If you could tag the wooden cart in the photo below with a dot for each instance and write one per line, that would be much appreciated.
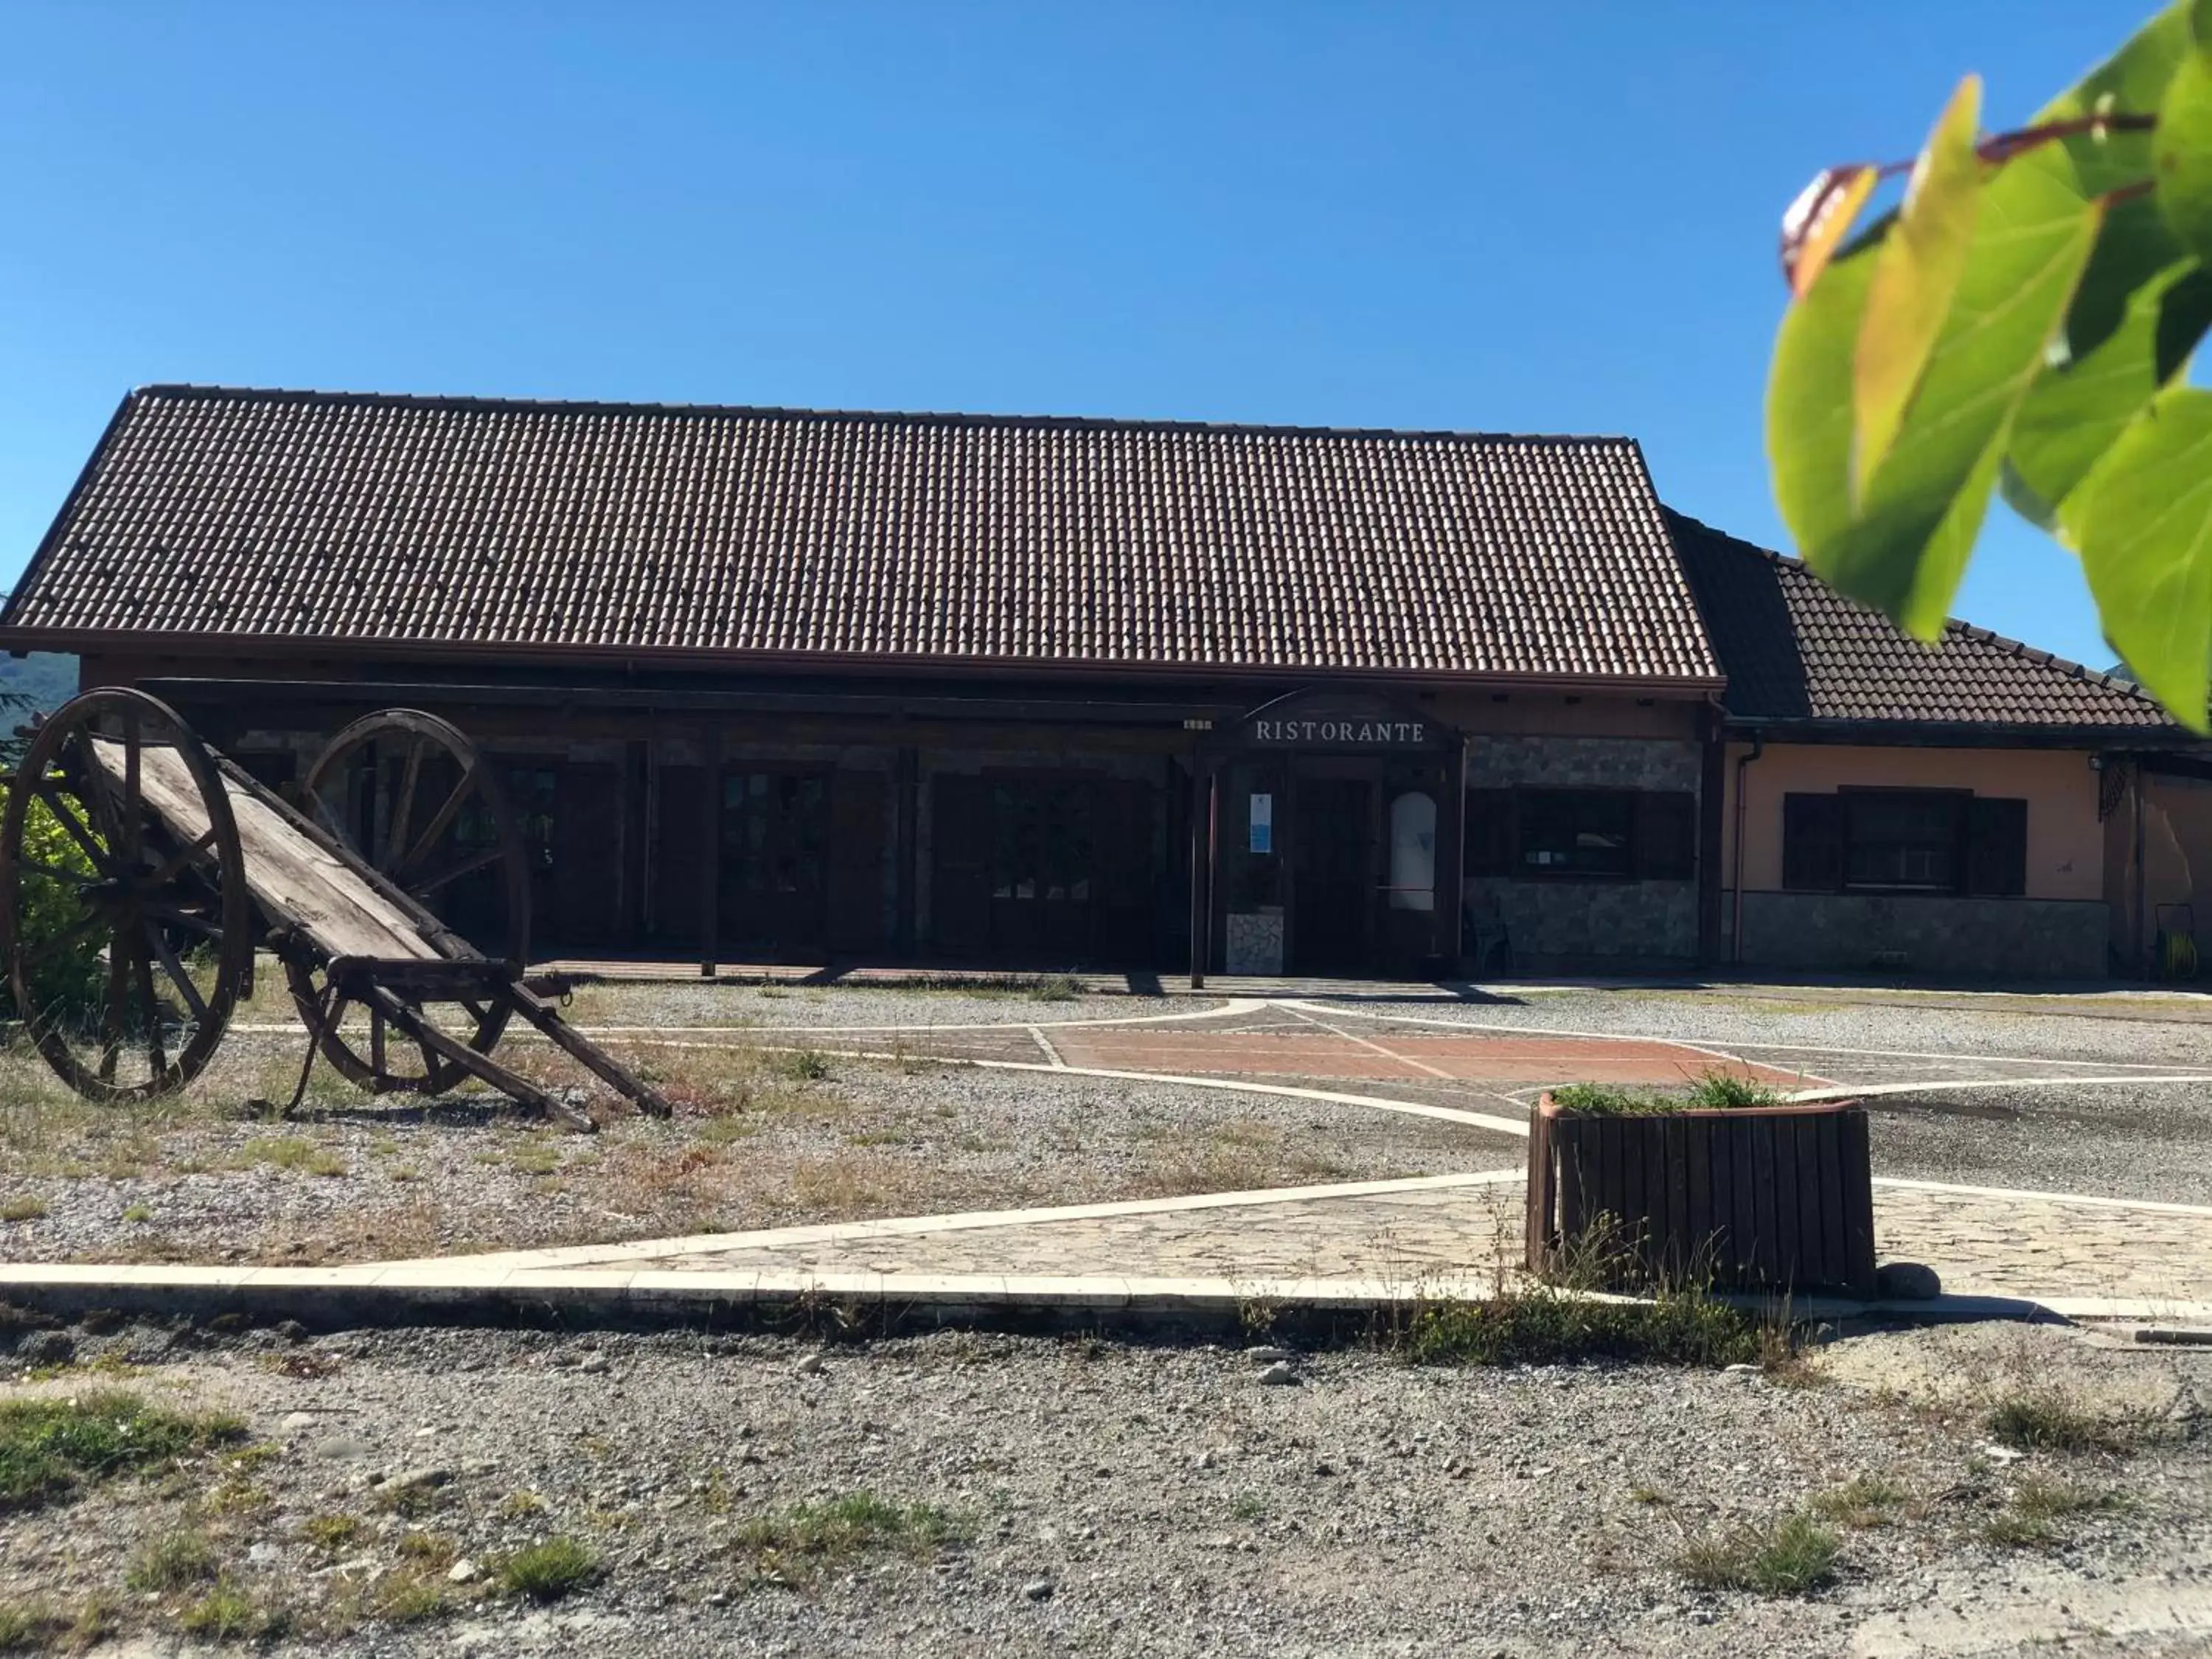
(181, 866)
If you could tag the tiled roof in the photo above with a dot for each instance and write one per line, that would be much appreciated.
(458, 523)
(1795, 649)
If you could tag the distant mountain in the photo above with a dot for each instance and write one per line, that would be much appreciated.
(2120, 671)
(47, 678)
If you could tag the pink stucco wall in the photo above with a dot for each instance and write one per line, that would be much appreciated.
(2065, 842)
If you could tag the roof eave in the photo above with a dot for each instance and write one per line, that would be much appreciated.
(1957, 734)
(283, 647)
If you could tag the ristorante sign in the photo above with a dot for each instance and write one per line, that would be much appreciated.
(1338, 731)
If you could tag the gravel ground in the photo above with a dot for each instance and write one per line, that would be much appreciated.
(353, 1180)
(2127, 1140)
(1114, 1500)
(859, 1005)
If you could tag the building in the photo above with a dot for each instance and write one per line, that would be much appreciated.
(794, 686)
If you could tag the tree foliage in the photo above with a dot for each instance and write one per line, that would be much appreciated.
(2024, 321)
(65, 962)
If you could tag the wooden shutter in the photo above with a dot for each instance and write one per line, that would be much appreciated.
(1812, 843)
(1996, 848)
(1665, 834)
(1489, 836)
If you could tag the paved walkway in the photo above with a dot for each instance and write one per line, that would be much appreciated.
(2079, 1255)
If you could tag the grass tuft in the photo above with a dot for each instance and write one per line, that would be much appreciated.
(2031, 1519)
(290, 1152)
(1792, 1556)
(331, 1533)
(22, 1207)
(550, 1571)
(2045, 1419)
(48, 1448)
(1547, 1324)
(799, 1065)
(789, 1546)
(228, 1613)
(170, 1561)
(1862, 1502)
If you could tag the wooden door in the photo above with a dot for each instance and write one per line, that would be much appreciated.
(1332, 876)
(857, 807)
(587, 882)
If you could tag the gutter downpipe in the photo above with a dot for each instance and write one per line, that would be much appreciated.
(1736, 948)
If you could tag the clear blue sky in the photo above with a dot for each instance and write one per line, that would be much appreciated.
(1506, 217)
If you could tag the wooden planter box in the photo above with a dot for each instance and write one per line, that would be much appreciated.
(1762, 1197)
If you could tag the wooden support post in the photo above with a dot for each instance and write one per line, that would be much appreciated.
(710, 849)
(1451, 863)
(1712, 804)
(630, 913)
(906, 852)
(1202, 792)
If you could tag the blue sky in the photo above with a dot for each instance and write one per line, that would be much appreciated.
(1553, 218)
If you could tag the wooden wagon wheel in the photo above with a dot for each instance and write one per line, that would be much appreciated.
(144, 861)
(420, 803)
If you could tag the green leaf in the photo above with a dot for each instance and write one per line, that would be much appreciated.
(1809, 396)
(2142, 306)
(1916, 274)
(2182, 153)
(2142, 524)
(2076, 411)
(1905, 546)
(2132, 82)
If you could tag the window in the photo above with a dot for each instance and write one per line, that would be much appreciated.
(1905, 841)
(1576, 832)
(1539, 833)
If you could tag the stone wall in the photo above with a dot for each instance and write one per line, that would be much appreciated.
(1927, 933)
(1562, 924)
(1495, 763)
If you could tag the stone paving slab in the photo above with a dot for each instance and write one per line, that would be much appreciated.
(2009, 1245)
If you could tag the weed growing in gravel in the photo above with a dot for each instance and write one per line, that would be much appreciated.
(171, 1561)
(1864, 1501)
(1056, 988)
(331, 1533)
(1547, 1325)
(1248, 1506)
(2030, 1519)
(22, 1207)
(550, 1571)
(429, 1550)
(799, 1065)
(41, 1627)
(138, 1212)
(1648, 1495)
(789, 1546)
(520, 1505)
(49, 1447)
(305, 1364)
(27, 1626)
(1788, 1557)
(410, 1598)
(2045, 1419)
(535, 1157)
(290, 1152)
(229, 1614)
